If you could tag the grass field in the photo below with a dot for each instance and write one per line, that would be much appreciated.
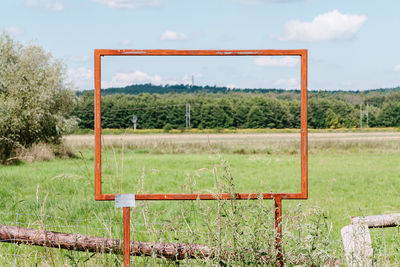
(350, 174)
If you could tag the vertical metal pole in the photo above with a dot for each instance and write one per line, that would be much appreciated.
(367, 114)
(360, 117)
(97, 124)
(127, 234)
(278, 227)
(187, 115)
(304, 131)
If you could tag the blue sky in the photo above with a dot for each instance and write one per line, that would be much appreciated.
(353, 45)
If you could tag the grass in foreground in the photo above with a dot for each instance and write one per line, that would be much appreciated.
(58, 195)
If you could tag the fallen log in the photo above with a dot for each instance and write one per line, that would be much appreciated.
(19, 235)
(375, 221)
(78, 242)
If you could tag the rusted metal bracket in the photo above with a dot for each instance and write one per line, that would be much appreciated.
(125, 201)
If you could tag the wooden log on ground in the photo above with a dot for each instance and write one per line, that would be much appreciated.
(357, 245)
(78, 242)
(374, 221)
(357, 239)
(19, 235)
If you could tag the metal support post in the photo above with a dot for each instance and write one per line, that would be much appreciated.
(127, 235)
(126, 201)
(278, 227)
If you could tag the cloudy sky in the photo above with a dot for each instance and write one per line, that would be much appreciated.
(353, 45)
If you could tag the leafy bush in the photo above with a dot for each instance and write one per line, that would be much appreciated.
(34, 99)
(167, 127)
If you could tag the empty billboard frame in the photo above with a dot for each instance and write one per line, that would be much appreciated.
(302, 53)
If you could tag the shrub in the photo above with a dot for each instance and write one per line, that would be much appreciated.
(167, 127)
(35, 100)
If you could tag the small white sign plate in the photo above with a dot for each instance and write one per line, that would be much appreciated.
(125, 200)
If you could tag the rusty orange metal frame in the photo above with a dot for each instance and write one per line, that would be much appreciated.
(98, 53)
(277, 197)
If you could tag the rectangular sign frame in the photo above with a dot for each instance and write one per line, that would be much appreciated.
(99, 53)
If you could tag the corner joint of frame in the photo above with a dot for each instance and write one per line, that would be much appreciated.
(98, 52)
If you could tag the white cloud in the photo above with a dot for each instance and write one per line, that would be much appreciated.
(231, 86)
(123, 79)
(226, 37)
(80, 59)
(80, 76)
(126, 42)
(275, 61)
(347, 83)
(328, 26)
(54, 5)
(14, 30)
(290, 83)
(257, 2)
(128, 3)
(173, 36)
(396, 68)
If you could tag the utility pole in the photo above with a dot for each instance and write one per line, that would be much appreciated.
(367, 114)
(187, 115)
(134, 120)
(360, 116)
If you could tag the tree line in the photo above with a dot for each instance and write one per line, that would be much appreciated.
(38, 106)
(135, 89)
(234, 109)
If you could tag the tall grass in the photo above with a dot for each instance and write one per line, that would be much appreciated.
(350, 177)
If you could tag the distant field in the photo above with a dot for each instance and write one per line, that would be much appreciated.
(350, 174)
(243, 142)
(232, 130)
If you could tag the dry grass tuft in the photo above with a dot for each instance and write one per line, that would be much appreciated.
(44, 152)
(37, 152)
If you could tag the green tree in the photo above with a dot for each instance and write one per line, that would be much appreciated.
(212, 116)
(390, 114)
(332, 120)
(84, 110)
(34, 99)
(255, 118)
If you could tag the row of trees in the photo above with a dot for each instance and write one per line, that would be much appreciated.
(37, 105)
(238, 110)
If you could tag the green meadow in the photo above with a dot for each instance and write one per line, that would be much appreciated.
(348, 179)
